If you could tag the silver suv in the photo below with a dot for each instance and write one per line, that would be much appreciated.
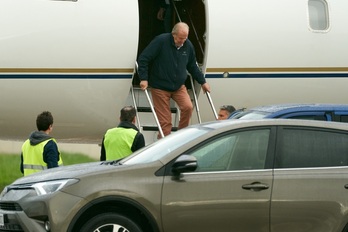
(233, 175)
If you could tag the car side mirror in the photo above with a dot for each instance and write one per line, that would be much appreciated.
(185, 163)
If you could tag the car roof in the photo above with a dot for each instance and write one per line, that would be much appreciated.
(279, 109)
(227, 124)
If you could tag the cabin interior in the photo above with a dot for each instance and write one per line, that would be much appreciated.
(191, 12)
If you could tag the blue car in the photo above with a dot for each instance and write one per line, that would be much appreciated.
(322, 112)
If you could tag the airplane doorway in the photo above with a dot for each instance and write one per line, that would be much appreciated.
(191, 12)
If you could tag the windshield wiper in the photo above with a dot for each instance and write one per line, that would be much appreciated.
(112, 162)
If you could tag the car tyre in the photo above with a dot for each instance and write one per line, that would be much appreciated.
(110, 222)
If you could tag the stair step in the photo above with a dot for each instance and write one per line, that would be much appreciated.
(155, 128)
(148, 109)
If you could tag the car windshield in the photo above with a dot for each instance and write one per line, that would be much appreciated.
(164, 146)
(251, 115)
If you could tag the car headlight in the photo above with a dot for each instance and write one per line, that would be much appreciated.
(48, 187)
(4, 191)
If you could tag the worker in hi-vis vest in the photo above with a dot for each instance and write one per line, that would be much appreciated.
(124, 139)
(40, 151)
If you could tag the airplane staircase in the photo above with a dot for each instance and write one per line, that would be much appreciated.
(189, 12)
(147, 120)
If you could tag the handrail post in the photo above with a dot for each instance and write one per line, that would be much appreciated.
(136, 108)
(154, 113)
(133, 98)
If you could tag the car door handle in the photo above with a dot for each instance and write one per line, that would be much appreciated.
(255, 186)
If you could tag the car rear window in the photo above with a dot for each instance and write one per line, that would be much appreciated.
(299, 148)
(309, 117)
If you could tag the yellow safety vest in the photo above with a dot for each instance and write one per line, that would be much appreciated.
(33, 157)
(118, 142)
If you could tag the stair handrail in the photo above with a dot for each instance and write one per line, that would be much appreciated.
(212, 104)
(210, 100)
(154, 113)
(176, 11)
(135, 106)
(152, 107)
(193, 28)
(195, 100)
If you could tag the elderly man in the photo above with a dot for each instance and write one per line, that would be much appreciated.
(170, 56)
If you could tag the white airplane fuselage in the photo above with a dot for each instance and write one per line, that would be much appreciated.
(77, 58)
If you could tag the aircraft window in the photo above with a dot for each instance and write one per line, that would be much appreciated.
(318, 15)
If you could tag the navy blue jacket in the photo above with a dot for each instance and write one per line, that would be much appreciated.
(165, 67)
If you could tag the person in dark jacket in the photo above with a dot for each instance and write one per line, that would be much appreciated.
(124, 139)
(40, 151)
(170, 56)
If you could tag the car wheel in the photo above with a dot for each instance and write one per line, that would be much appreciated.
(110, 222)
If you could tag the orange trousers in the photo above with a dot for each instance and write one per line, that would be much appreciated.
(161, 102)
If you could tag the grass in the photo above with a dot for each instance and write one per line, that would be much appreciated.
(9, 165)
